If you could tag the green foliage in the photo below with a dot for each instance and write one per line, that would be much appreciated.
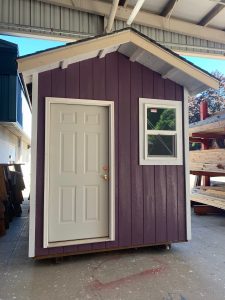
(161, 119)
(167, 120)
(214, 98)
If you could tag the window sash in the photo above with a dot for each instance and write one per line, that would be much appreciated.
(161, 132)
(165, 107)
(163, 157)
(144, 159)
(156, 105)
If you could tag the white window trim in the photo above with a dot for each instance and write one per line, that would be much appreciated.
(144, 103)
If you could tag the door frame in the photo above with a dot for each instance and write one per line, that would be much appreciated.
(110, 104)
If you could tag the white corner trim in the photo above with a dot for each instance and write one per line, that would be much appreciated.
(187, 168)
(33, 166)
(143, 159)
(110, 104)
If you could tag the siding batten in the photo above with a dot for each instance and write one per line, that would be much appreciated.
(124, 153)
(160, 176)
(171, 180)
(136, 169)
(149, 172)
(160, 199)
(112, 88)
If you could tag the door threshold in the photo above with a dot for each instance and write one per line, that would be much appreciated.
(78, 242)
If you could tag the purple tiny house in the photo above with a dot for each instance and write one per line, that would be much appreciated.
(109, 144)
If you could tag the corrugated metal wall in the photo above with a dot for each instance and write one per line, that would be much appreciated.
(34, 17)
(176, 41)
(30, 16)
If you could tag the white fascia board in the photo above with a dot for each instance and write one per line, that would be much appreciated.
(173, 60)
(78, 51)
(88, 49)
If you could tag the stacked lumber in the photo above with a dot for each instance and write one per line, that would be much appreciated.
(3, 199)
(2, 218)
(214, 124)
(11, 198)
(211, 162)
(210, 195)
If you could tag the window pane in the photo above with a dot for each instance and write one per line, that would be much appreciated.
(161, 145)
(161, 118)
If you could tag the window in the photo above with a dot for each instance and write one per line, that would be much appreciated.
(160, 132)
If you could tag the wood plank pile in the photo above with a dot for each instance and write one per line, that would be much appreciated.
(209, 162)
(210, 195)
(11, 197)
(214, 124)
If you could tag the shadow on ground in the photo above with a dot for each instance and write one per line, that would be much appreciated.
(189, 271)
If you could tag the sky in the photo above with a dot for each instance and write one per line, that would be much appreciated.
(28, 45)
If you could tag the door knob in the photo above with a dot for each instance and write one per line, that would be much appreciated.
(105, 177)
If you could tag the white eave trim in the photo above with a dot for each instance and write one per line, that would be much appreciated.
(54, 56)
(81, 51)
(173, 60)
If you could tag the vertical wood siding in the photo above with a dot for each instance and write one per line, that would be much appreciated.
(150, 200)
(137, 212)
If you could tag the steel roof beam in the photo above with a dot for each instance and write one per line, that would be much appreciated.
(145, 18)
(211, 14)
(112, 15)
(167, 10)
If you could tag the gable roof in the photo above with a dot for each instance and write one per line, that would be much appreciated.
(129, 42)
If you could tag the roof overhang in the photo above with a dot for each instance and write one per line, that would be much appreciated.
(17, 130)
(134, 45)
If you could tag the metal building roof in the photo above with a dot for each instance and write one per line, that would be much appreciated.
(210, 13)
(191, 27)
(203, 19)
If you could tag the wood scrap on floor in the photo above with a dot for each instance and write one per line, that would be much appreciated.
(210, 195)
(11, 198)
(202, 209)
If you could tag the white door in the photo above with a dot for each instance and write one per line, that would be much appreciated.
(78, 160)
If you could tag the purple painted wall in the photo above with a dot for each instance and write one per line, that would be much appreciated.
(150, 200)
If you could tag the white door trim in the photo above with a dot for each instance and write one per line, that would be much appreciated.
(48, 102)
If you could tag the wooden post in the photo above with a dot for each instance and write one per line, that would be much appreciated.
(203, 116)
(203, 110)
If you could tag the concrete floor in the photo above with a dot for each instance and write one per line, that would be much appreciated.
(191, 271)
